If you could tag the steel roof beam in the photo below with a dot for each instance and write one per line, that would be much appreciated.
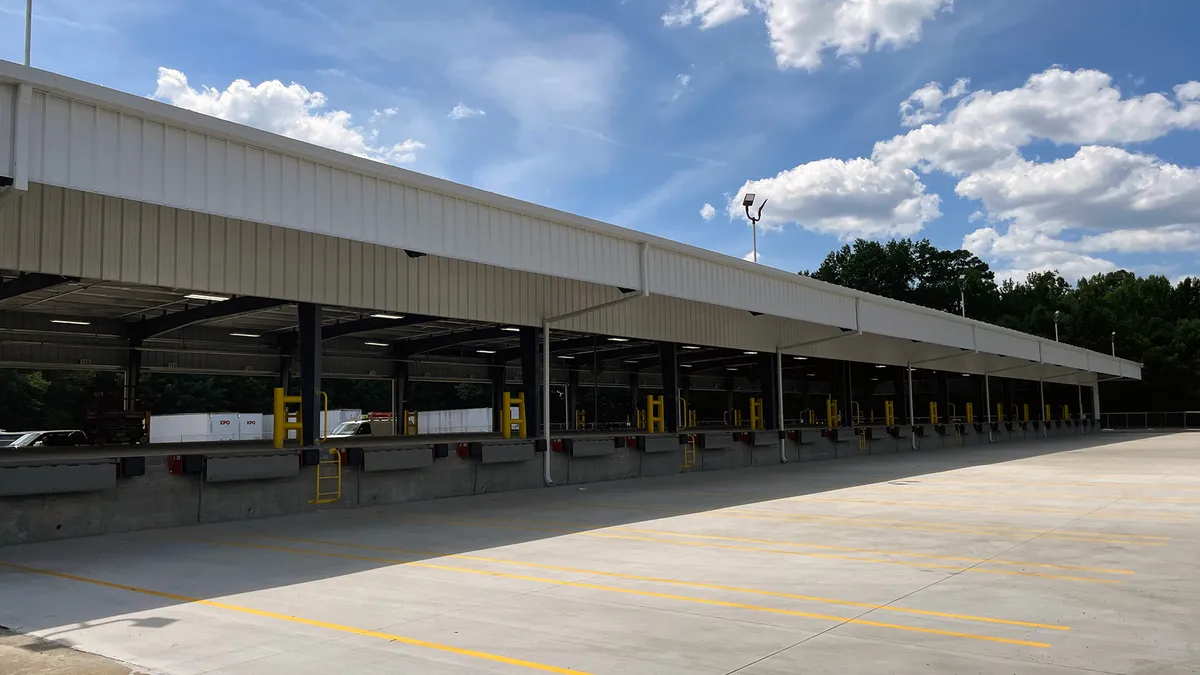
(32, 283)
(166, 323)
(371, 323)
(506, 355)
(409, 347)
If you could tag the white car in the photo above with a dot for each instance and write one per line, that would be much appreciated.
(51, 439)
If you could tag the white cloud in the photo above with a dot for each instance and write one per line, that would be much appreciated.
(1064, 107)
(749, 257)
(291, 110)
(801, 31)
(1099, 188)
(462, 112)
(684, 80)
(925, 104)
(855, 198)
(1062, 214)
(710, 12)
(707, 211)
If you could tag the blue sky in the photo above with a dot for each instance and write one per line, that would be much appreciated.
(1070, 144)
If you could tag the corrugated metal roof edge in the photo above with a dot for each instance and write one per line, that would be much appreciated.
(14, 73)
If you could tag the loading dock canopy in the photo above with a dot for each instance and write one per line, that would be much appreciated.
(132, 192)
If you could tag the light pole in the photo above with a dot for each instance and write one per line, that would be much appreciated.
(1114, 343)
(1056, 325)
(28, 27)
(747, 202)
(962, 294)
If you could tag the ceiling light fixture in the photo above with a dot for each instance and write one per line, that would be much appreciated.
(511, 329)
(205, 296)
(731, 369)
(246, 335)
(750, 353)
(616, 339)
(377, 344)
(394, 317)
(881, 366)
(566, 357)
(685, 365)
(812, 374)
(800, 358)
(690, 347)
(69, 322)
(485, 351)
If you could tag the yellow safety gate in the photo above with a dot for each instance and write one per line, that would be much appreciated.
(756, 414)
(889, 413)
(507, 419)
(285, 421)
(656, 422)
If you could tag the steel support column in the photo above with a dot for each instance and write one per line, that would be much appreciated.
(768, 387)
(1096, 404)
(668, 359)
(572, 398)
(912, 418)
(634, 395)
(529, 379)
(309, 316)
(133, 375)
(498, 384)
(399, 394)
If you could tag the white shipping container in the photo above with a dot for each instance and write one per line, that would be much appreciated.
(223, 427)
(466, 420)
(250, 426)
(182, 428)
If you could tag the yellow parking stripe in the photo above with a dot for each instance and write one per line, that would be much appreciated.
(300, 620)
(677, 582)
(648, 594)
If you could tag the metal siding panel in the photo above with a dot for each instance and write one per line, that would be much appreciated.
(169, 250)
(195, 160)
(185, 257)
(263, 256)
(37, 133)
(1061, 355)
(150, 227)
(276, 251)
(306, 186)
(290, 190)
(10, 228)
(56, 141)
(304, 269)
(233, 181)
(91, 242)
(113, 239)
(369, 208)
(106, 163)
(273, 187)
(50, 224)
(8, 101)
(155, 160)
(323, 205)
(229, 252)
(81, 149)
(215, 186)
(29, 240)
(1006, 344)
(131, 230)
(176, 167)
(251, 260)
(132, 156)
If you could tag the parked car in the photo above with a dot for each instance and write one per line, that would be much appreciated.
(61, 438)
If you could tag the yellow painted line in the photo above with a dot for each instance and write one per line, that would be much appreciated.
(496, 658)
(956, 568)
(1103, 537)
(1151, 516)
(1052, 495)
(678, 582)
(909, 554)
(648, 594)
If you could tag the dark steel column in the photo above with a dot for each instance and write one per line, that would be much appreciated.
(572, 397)
(768, 390)
(530, 383)
(133, 374)
(499, 377)
(635, 403)
(310, 371)
(399, 395)
(668, 359)
(285, 371)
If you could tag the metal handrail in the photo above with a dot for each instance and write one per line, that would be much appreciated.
(1152, 419)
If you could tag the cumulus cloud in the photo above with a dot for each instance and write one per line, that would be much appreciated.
(848, 199)
(462, 112)
(925, 104)
(1061, 214)
(802, 31)
(290, 110)
(707, 211)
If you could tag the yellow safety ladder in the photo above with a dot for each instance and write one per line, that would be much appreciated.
(329, 478)
(689, 452)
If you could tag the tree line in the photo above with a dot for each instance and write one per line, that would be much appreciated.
(1156, 323)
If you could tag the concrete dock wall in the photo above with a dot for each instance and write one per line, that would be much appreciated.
(160, 499)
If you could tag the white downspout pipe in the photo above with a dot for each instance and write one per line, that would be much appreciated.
(779, 405)
(645, 274)
(19, 170)
(546, 400)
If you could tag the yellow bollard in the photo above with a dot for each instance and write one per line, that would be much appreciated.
(655, 415)
(1025, 409)
(933, 416)
(756, 414)
(283, 421)
(889, 413)
(831, 413)
(507, 418)
(999, 412)
(580, 419)
(970, 413)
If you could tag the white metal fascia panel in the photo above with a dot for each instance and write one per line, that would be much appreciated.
(1131, 370)
(1099, 363)
(94, 149)
(1062, 355)
(883, 319)
(8, 107)
(684, 276)
(1006, 344)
